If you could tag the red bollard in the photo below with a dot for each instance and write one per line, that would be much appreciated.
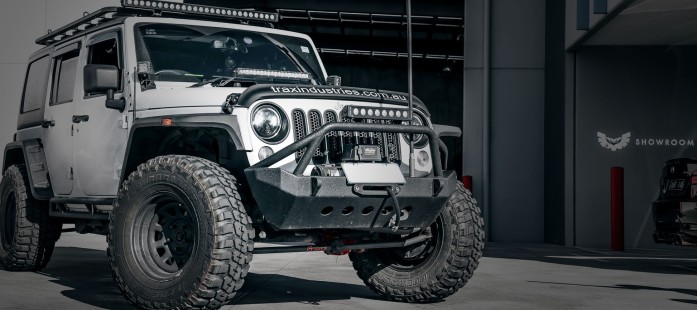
(467, 181)
(617, 208)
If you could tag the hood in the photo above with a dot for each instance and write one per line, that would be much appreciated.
(266, 91)
(179, 97)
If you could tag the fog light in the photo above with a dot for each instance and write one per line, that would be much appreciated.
(423, 158)
(265, 152)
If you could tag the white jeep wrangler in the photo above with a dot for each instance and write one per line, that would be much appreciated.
(185, 133)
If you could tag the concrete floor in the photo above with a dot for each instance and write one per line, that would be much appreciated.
(509, 277)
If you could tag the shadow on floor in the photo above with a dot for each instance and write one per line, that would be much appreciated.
(88, 275)
(270, 289)
(681, 261)
(690, 292)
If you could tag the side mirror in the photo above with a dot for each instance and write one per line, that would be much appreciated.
(334, 80)
(104, 79)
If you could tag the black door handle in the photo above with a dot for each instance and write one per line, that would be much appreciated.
(80, 118)
(47, 124)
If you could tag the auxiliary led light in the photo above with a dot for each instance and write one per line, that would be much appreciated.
(265, 152)
(423, 158)
(208, 10)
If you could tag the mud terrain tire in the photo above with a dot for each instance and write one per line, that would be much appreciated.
(27, 234)
(179, 237)
(434, 270)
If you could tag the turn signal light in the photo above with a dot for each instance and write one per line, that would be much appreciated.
(167, 122)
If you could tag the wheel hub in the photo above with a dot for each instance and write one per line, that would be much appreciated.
(180, 236)
(7, 230)
(169, 237)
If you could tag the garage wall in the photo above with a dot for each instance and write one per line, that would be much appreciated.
(516, 84)
(648, 93)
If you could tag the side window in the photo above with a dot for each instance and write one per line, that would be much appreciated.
(64, 73)
(35, 85)
(105, 53)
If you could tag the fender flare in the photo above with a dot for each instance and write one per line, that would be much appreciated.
(215, 121)
(33, 165)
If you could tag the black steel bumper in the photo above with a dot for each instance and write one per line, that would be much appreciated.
(292, 201)
(676, 222)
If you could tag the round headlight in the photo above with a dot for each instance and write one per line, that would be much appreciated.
(419, 139)
(269, 123)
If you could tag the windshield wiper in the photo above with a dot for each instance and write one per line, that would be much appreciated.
(296, 60)
(210, 81)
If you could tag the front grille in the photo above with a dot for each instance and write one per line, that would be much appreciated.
(331, 150)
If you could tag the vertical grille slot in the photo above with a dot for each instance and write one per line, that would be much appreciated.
(300, 129)
(315, 123)
(335, 144)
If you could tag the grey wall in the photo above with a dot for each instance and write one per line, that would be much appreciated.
(21, 23)
(650, 92)
(516, 80)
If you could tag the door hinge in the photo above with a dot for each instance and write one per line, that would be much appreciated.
(123, 122)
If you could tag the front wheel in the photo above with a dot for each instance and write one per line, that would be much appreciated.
(179, 237)
(434, 269)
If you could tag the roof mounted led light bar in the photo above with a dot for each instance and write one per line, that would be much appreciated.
(206, 10)
(272, 73)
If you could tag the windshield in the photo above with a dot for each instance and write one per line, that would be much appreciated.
(183, 53)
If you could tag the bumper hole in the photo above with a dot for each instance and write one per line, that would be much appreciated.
(368, 210)
(327, 210)
(346, 211)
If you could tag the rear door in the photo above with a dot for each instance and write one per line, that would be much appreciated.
(58, 127)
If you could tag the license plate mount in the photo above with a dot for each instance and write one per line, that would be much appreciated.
(372, 173)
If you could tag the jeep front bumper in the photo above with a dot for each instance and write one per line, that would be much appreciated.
(292, 201)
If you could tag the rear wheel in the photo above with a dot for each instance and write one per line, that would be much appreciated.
(179, 236)
(27, 234)
(432, 270)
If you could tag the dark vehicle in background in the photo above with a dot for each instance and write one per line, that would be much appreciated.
(675, 210)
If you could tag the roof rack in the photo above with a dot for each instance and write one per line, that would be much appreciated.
(148, 8)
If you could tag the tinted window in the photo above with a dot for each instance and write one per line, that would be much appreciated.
(64, 78)
(36, 83)
(104, 53)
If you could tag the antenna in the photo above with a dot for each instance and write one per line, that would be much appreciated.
(410, 74)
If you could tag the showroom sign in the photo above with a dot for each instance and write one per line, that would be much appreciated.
(619, 143)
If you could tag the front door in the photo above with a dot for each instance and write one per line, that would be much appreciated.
(101, 134)
(58, 127)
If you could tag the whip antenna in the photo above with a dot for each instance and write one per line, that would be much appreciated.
(412, 161)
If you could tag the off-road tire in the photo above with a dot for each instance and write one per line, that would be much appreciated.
(223, 240)
(448, 267)
(27, 234)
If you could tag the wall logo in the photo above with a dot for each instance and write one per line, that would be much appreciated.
(614, 144)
